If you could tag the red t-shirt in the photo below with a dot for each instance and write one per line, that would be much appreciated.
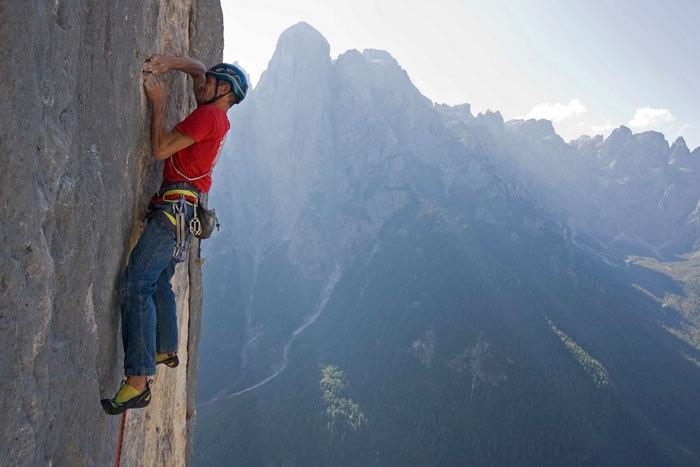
(207, 125)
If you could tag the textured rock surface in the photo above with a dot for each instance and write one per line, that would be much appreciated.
(76, 177)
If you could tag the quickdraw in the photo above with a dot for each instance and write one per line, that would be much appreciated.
(195, 223)
(182, 246)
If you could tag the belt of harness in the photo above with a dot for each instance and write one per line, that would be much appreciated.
(167, 186)
(174, 196)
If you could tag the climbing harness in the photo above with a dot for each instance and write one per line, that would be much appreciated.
(179, 196)
(204, 220)
(174, 195)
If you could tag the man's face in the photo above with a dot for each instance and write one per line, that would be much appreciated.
(210, 89)
(207, 92)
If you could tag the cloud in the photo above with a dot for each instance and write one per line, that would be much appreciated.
(647, 117)
(603, 128)
(557, 112)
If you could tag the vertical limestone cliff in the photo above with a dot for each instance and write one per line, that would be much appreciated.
(76, 176)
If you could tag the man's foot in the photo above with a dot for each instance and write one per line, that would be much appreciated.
(169, 360)
(127, 397)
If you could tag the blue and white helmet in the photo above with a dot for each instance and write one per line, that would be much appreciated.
(233, 75)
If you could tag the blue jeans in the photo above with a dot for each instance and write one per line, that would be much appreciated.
(149, 313)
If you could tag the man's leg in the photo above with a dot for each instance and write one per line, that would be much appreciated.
(150, 257)
(166, 312)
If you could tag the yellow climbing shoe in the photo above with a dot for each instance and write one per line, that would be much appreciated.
(127, 397)
(169, 360)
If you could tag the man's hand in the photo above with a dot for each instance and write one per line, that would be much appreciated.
(154, 89)
(164, 142)
(159, 64)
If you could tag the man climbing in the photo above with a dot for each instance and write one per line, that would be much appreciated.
(190, 150)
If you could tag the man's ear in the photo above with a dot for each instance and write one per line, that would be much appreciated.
(224, 86)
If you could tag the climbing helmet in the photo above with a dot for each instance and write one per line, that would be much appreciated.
(233, 75)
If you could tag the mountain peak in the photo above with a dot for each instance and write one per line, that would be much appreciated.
(680, 155)
(679, 144)
(621, 131)
(302, 52)
(534, 130)
(303, 34)
(384, 72)
(302, 43)
(620, 136)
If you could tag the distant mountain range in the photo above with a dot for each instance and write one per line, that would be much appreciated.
(403, 283)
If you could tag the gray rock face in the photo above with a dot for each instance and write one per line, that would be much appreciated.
(76, 177)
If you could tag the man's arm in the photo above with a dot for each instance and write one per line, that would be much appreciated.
(164, 142)
(160, 64)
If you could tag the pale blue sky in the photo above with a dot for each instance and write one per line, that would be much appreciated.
(589, 66)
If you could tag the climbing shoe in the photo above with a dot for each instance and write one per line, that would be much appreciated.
(127, 397)
(170, 361)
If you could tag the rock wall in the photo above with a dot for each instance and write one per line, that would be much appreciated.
(76, 177)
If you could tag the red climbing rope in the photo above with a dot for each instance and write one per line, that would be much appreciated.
(121, 438)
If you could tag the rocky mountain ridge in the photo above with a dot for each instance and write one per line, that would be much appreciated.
(625, 194)
(368, 229)
(359, 127)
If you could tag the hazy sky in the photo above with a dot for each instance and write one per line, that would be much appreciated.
(589, 66)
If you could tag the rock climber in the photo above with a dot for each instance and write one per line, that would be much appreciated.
(190, 150)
